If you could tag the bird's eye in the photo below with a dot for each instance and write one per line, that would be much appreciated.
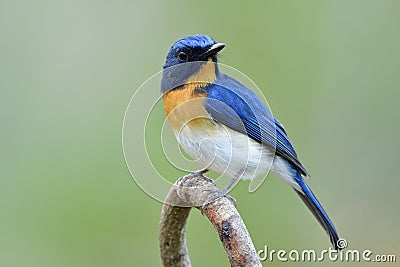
(182, 56)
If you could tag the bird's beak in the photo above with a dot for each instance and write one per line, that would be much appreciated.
(215, 48)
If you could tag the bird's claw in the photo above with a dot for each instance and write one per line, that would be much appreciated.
(217, 194)
(180, 183)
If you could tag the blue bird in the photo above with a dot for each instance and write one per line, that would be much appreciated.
(225, 127)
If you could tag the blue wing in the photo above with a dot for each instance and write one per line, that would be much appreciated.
(234, 105)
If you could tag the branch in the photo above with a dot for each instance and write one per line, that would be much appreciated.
(188, 193)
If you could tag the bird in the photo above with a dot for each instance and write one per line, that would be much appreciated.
(225, 127)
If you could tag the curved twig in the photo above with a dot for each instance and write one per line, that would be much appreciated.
(222, 214)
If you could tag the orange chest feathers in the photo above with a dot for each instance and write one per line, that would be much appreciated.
(185, 106)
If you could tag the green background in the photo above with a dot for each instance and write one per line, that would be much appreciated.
(329, 69)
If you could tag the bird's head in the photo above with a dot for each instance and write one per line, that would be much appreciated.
(193, 48)
(191, 59)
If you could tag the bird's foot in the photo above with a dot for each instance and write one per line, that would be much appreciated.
(180, 183)
(217, 194)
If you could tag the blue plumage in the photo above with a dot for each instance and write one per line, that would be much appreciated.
(317, 210)
(230, 104)
(240, 109)
(191, 45)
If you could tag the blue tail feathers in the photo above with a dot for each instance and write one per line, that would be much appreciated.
(316, 209)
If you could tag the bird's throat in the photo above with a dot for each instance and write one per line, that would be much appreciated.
(206, 73)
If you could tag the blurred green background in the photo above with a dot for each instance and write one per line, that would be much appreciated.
(329, 69)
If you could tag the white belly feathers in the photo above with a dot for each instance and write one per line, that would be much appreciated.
(229, 152)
